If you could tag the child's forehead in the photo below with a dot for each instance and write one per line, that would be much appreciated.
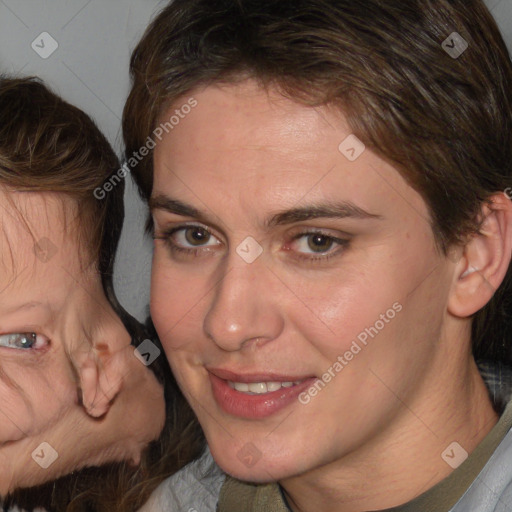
(34, 203)
(33, 225)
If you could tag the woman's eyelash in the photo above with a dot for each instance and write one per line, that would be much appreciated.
(166, 236)
(333, 242)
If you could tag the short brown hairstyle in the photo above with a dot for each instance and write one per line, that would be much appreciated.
(445, 123)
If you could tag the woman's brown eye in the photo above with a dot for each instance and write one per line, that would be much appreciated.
(197, 236)
(320, 243)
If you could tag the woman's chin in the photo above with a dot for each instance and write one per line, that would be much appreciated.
(249, 465)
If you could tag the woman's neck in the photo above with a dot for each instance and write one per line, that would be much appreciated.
(403, 460)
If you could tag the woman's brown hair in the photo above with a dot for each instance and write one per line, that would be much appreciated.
(48, 145)
(443, 120)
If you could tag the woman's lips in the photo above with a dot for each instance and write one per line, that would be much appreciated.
(257, 395)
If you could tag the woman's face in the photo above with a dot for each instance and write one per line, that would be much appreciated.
(55, 325)
(296, 285)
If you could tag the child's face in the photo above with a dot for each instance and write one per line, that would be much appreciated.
(319, 292)
(52, 313)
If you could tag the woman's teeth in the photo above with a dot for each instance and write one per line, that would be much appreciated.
(258, 388)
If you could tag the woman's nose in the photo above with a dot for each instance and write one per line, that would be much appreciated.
(244, 307)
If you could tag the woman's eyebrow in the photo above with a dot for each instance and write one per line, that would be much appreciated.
(162, 202)
(341, 210)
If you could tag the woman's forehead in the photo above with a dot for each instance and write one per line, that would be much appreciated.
(227, 155)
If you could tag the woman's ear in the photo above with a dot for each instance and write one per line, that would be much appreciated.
(101, 379)
(485, 260)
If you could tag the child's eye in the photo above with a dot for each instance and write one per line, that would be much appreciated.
(25, 340)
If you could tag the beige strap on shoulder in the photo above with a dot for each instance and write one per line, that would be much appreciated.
(237, 496)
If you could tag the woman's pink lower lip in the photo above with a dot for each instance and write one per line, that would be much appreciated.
(254, 406)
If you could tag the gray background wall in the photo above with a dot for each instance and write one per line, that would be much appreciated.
(90, 69)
